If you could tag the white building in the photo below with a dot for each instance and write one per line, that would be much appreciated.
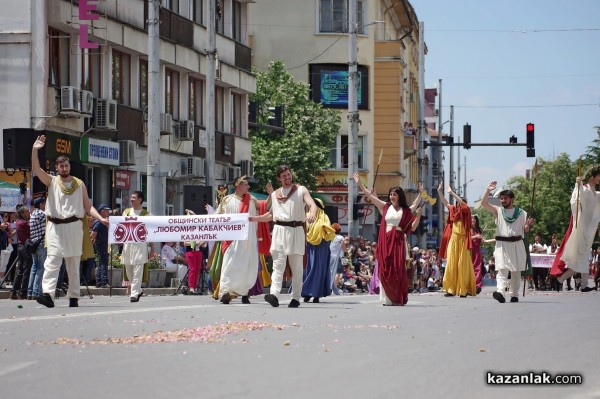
(91, 102)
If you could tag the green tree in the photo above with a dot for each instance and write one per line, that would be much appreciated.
(309, 129)
(554, 183)
(592, 154)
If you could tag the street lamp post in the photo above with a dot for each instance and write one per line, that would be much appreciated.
(353, 116)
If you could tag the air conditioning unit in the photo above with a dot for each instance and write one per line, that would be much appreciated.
(193, 166)
(106, 114)
(69, 100)
(184, 130)
(247, 168)
(86, 103)
(233, 172)
(166, 124)
(126, 152)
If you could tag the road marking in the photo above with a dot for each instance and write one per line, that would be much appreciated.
(103, 313)
(15, 367)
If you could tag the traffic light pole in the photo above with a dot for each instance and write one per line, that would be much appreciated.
(434, 144)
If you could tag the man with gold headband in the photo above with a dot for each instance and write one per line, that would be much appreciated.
(240, 258)
(67, 238)
(577, 243)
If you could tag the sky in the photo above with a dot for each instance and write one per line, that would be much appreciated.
(504, 63)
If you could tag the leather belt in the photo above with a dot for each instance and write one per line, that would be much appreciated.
(509, 239)
(289, 224)
(63, 221)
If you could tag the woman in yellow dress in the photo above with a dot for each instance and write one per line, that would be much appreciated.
(459, 277)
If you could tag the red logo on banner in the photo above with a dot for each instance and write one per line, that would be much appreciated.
(131, 230)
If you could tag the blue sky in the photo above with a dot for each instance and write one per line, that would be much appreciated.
(506, 63)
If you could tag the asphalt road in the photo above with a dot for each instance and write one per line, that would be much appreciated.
(345, 346)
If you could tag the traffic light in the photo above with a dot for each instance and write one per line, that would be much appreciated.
(467, 136)
(530, 131)
(512, 139)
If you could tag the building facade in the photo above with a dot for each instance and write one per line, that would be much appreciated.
(77, 71)
(311, 38)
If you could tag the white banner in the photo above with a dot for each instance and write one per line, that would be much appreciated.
(542, 260)
(124, 229)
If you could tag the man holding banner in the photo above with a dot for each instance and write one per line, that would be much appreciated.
(289, 238)
(240, 258)
(135, 254)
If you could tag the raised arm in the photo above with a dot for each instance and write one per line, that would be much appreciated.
(485, 202)
(441, 195)
(35, 161)
(373, 198)
(417, 201)
(417, 219)
(456, 197)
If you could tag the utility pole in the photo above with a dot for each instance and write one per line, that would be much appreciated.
(209, 104)
(439, 205)
(451, 180)
(353, 116)
(154, 193)
(422, 127)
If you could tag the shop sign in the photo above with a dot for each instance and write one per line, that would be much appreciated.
(58, 144)
(336, 180)
(99, 151)
(122, 179)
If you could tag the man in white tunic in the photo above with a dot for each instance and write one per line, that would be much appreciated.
(240, 258)
(135, 254)
(577, 250)
(511, 226)
(288, 238)
(66, 206)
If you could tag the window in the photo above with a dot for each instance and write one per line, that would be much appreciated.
(360, 160)
(220, 17)
(219, 108)
(236, 114)
(197, 11)
(143, 83)
(333, 16)
(172, 93)
(172, 5)
(91, 71)
(58, 51)
(196, 103)
(121, 77)
(237, 21)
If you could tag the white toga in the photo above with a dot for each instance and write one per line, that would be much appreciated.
(579, 245)
(510, 255)
(135, 253)
(64, 240)
(288, 240)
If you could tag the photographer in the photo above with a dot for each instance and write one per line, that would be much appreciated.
(19, 288)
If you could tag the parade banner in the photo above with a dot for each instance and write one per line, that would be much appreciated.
(542, 260)
(216, 227)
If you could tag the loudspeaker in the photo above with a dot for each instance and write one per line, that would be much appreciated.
(16, 147)
(195, 198)
(332, 213)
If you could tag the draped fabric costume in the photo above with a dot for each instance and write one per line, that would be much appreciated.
(66, 240)
(392, 255)
(317, 278)
(459, 277)
(477, 261)
(240, 258)
(577, 244)
(264, 246)
(510, 255)
(135, 257)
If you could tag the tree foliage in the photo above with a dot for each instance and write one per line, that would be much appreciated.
(310, 129)
(592, 154)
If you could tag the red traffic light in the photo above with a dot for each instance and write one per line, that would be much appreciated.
(530, 127)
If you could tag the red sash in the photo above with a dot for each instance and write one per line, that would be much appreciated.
(244, 207)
